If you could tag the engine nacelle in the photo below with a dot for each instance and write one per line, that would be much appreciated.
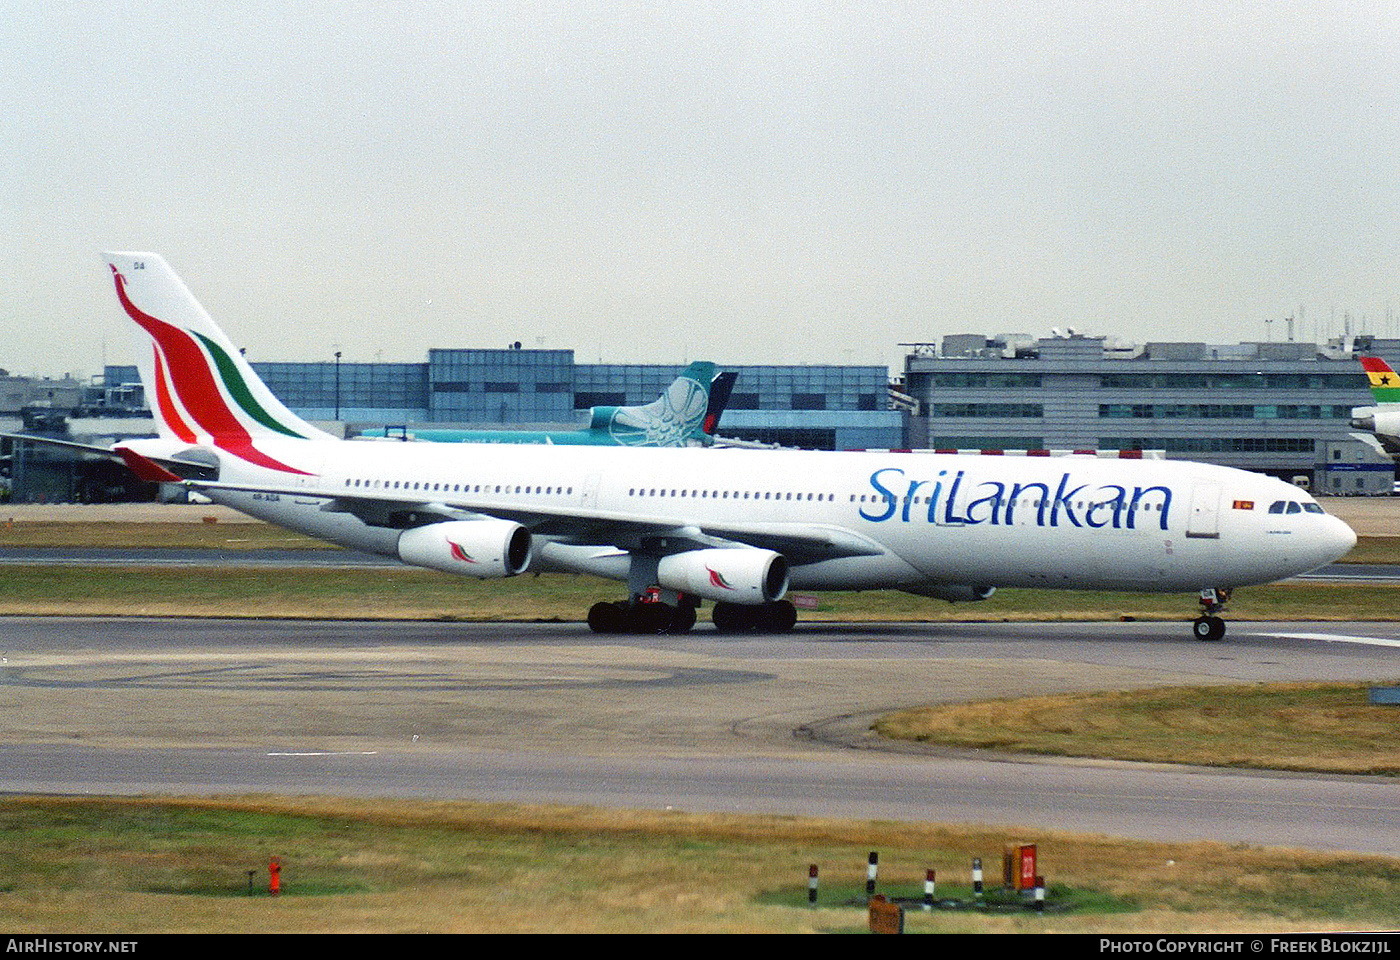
(738, 575)
(486, 549)
(952, 592)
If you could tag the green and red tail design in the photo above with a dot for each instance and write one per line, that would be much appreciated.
(200, 388)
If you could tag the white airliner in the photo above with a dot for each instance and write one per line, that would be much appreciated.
(736, 527)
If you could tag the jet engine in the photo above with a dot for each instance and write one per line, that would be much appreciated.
(485, 549)
(739, 575)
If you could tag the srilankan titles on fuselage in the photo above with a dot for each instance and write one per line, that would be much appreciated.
(900, 497)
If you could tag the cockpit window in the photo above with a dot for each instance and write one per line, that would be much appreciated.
(1292, 506)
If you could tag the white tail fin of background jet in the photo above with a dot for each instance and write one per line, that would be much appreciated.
(198, 385)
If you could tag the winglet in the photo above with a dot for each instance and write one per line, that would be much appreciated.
(145, 468)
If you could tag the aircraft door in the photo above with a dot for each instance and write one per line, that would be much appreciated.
(1204, 521)
(589, 500)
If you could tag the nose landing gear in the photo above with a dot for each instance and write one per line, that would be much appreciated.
(1208, 626)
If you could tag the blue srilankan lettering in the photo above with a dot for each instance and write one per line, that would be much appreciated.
(1110, 505)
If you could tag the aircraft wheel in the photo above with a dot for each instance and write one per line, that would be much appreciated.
(682, 620)
(606, 617)
(639, 617)
(779, 616)
(730, 617)
(1208, 628)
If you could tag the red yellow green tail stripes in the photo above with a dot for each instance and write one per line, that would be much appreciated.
(1385, 382)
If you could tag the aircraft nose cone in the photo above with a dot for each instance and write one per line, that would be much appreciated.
(1332, 542)
(1343, 538)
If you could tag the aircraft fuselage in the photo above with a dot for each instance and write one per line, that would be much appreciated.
(1064, 522)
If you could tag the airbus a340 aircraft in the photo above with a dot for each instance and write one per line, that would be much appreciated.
(678, 525)
(686, 414)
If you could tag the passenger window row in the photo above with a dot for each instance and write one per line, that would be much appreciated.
(424, 486)
(725, 494)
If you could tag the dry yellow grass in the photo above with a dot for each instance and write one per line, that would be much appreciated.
(459, 867)
(1328, 728)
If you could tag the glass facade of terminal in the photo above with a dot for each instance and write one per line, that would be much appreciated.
(321, 389)
(1283, 409)
(825, 407)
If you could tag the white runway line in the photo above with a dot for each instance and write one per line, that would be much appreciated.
(1335, 638)
(329, 753)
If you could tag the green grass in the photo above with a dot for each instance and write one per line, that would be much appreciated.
(187, 535)
(421, 594)
(411, 593)
(141, 866)
(1374, 550)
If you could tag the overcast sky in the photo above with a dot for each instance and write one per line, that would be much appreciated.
(784, 182)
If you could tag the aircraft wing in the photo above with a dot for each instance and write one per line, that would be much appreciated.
(800, 543)
(1383, 444)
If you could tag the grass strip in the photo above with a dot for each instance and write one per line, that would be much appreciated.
(411, 593)
(172, 535)
(182, 865)
(1318, 727)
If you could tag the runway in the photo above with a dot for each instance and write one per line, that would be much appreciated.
(702, 722)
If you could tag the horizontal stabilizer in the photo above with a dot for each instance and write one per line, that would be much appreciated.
(145, 468)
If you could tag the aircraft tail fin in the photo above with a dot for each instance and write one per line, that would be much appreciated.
(720, 389)
(675, 418)
(1384, 382)
(200, 388)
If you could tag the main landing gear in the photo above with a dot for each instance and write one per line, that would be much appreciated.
(779, 616)
(1208, 626)
(642, 616)
(650, 614)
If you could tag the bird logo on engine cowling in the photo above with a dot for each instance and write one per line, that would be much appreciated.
(717, 579)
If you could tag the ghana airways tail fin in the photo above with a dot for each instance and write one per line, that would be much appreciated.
(1384, 382)
(198, 385)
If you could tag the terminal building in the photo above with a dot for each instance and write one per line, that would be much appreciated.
(1278, 408)
(818, 407)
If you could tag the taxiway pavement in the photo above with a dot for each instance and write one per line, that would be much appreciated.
(704, 722)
